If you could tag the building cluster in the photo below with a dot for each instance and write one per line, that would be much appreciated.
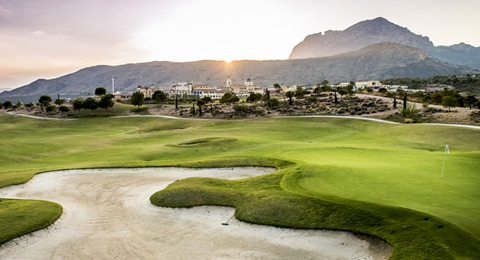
(200, 91)
(185, 89)
(376, 85)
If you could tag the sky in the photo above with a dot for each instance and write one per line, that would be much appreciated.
(51, 38)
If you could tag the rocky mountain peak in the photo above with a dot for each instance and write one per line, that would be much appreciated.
(356, 37)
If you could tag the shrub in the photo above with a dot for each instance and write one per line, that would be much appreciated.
(273, 102)
(312, 99)
(240, 108)
(410, 111)
(51, 108)
(77, 104)
(64, 109)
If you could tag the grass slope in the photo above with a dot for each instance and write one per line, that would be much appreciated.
(365, 177)
(20, 217)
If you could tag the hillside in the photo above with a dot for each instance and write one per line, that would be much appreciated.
(380, 61)
(381, 30)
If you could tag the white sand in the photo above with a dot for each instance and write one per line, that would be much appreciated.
(108, 215)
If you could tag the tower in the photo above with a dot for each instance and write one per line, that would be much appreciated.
(113, 85)
(248, 82)
(229, 82)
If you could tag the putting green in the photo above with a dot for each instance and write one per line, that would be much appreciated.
(374, 166)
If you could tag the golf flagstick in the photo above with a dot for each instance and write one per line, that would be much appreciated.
(444, 156)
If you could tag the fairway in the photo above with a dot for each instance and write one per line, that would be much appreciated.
(389, 171)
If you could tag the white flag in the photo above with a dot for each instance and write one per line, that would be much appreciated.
(446, 149)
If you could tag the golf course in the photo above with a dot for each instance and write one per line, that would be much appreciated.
(369, 178)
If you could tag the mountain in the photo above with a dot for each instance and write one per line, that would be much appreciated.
(381, 30)
(379, 61)
(461, 53)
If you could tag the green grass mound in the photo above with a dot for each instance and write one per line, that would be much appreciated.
(261, 200)
(20, 217)
(205, 141)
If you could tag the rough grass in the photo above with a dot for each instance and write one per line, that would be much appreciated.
(333, 173)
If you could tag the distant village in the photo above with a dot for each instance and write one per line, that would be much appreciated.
(200, 91)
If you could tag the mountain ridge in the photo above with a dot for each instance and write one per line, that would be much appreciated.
(380, 30)
(379, 61)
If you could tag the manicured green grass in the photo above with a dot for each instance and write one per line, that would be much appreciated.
(20, 217)
(365, 177)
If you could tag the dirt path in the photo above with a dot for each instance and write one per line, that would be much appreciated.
(108, 215)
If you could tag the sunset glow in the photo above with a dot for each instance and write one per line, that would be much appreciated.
(49, 38)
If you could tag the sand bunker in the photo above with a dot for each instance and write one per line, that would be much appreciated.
(108, 215)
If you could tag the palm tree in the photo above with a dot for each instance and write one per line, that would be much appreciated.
(290, 94)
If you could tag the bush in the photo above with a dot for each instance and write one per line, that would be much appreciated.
(77, 104)
(409, 112)
(254, 97)
(64, 109)
(51, 108)
(240, 108)
(312, 99)
(273, 102)
(229, 98)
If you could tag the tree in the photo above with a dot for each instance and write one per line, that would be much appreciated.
(273, 102)
(394, 101)
(405, 101)
(44, 101)
(90, 103)
(1, 105)
(106, 102)
(200, 103)
(290, 94)
(449, 101)
(137, 99)
(300, 93)
(470, 100)
(324, 82)
(267, 95)
(100, 91)
(229, 98)
(7, 104)
(160, 97)
(254, 97)
(349, 90)
(77, 104)
(207, 99)
(342, 91)
(336, 99)
(59, 101)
